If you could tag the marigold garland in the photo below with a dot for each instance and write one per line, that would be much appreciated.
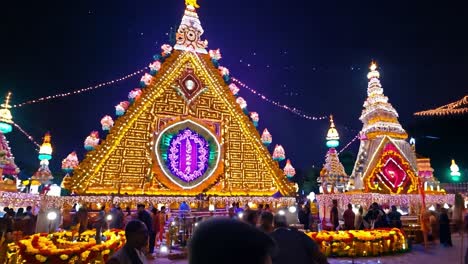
(362, 243)
(66, 247)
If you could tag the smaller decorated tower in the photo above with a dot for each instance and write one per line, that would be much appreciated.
(43, 176)
(333, 176)
(8, 168)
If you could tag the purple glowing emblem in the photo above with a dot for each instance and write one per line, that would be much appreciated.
(188, 155)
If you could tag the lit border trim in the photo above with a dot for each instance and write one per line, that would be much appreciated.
(162, 163)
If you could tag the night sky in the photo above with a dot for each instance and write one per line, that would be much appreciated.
(313, 55)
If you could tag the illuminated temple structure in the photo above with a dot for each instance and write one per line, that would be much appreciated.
(386, 162)
(183, 133)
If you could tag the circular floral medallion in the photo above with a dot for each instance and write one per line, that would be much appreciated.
(188, 153)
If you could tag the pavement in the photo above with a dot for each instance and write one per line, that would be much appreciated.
(435, 253)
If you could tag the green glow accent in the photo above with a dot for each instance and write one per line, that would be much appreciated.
(5, 127)
(45, 157)
(333, 143)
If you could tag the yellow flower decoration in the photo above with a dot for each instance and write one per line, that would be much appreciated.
(63, 257)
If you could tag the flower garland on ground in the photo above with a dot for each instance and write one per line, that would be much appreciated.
(361, 243)
(61, 247)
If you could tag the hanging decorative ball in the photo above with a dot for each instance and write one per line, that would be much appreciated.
(242, 103)
(134, 94)
(154, 67)
(289, 170)
(145, 80)
(107, 123)
(70, 162)
(255, 118)
(121, 108)
(234, 89)
(223, 71)
(166, 50)
(92, 141)
(215, 54)
(278, 153)
(266, 137)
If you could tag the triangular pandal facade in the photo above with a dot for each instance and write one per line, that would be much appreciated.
(389, 170)
(126, 162)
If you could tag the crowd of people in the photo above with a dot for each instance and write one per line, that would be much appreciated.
(245, 236)
(238, 232)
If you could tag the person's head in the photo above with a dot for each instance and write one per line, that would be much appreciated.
(183, 202)
(251, 217)
(136, 234)
(375, 206)
(103, 208)
(280, 221)
(350, 206)
(163, 209)
(140, 207)
(361, 211)
(207, 246)
(6, 209)
(393, 208)
(154, 210)
(267, 207)
(266, 221)
(238, 205)
(335, 202)
(260, 206)
(231, 212)
(20, 210)
(29, 208)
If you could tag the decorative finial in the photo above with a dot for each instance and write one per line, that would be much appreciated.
(6, 119)
(332, 135)
(45, 151)
(192, 3)
(373, 73)
(7, 105)
(188, 36)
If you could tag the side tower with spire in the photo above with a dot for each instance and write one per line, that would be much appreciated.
(333, 177)
(386, 163)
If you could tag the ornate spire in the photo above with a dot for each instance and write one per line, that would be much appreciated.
(45, 151)
(6, 119)
(332, 136)
(379, 116)
(188, 36)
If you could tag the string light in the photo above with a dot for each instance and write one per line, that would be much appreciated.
(458, 107)
(276, 103)
(27, 135)
(90, 88)
(349, 144)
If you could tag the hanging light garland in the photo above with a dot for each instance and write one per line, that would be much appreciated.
(349, 144)
(90, 88)
(27, 135)
(276, 103)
